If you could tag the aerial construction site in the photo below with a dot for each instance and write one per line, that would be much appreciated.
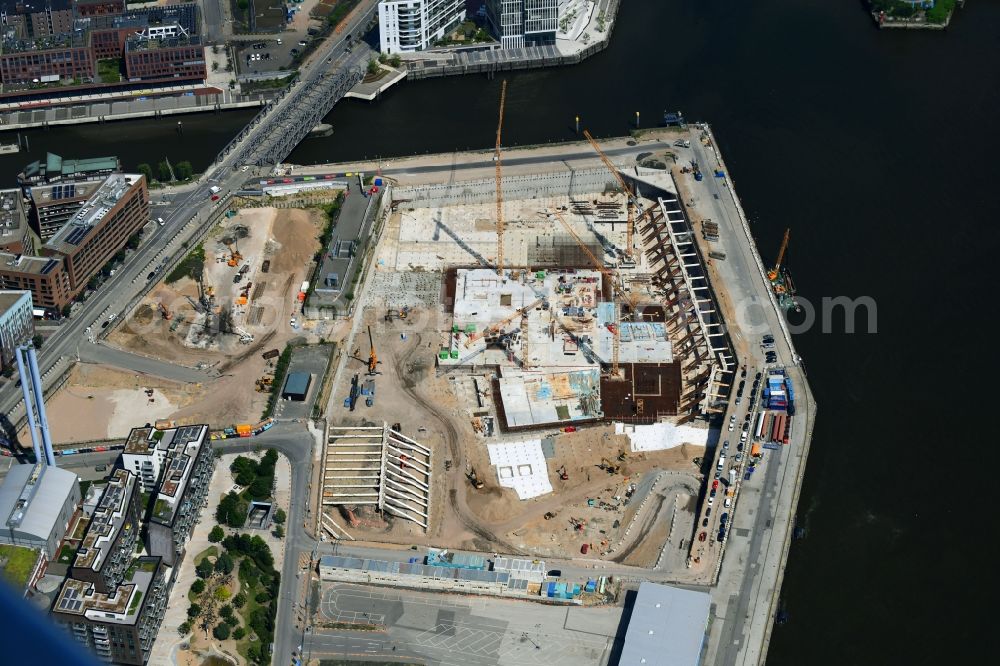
(538, 366)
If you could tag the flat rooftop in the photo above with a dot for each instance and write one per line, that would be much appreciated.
(179, 448)
(123, 606)
(667, 627)
(32, 497)
(107, 521)
(13, 220)
(28, 264)
(76, 231)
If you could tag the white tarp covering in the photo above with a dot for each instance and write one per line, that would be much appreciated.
(521, 466)
(660, 436)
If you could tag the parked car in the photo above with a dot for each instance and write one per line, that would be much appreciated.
(151, 275)
(101, 468)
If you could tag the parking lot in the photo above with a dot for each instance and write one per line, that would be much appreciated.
(461, 630)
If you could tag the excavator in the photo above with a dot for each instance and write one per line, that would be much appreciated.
(622, 456)
(372, 357)
(474, 479)
(234, 255)
(562, 473)
(164, 312)
(610, 466)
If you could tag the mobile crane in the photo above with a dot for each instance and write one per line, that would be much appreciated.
(372, 357)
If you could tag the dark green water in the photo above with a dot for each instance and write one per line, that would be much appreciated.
(879, 150)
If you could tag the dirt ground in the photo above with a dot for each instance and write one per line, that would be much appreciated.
(99, 402)
(288, 238)
(436, 409)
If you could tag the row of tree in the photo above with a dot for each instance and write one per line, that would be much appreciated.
(182, 170)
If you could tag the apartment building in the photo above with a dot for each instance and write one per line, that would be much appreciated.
(179, 57)
(118, 626)
(411, 25)
(520, 23)
(108, 545)
(44, 277)
(55, 169)
(176, 464)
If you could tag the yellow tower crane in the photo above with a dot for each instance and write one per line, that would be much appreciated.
(632, 202)
(496, 159)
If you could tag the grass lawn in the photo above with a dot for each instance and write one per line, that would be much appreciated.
(109, 71)
(195, 260)
(19, 564)
(66, 554)
(211, 551)
(940, 12)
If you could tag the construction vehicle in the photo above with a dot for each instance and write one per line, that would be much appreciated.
(632, 203)
(549, 515)
(781, 280)
(397, 314)
(372, 357)
(577, 524)
(499, 184)
(610, 466)
(474, 479)
(562, 473)
(268, 355)
(622, 456)
(164, 312)
(234, 255)
(497, 327)
(245, 338)
(264, 384)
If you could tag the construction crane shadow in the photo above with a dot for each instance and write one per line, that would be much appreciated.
(441, 226)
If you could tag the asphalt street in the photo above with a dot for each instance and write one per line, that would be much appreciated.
(187, 212)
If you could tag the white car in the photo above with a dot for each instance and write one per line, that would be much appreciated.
(732, 422)
(728, 503)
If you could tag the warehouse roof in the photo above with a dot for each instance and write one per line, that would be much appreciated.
(667, 627)
(32, 496)
(297, 383)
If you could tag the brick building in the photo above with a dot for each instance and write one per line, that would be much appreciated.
(16, 235)
(47, 59)
(52, 206)
(115, 210)
(168, 58)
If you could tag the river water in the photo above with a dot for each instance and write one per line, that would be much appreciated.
(878, 150)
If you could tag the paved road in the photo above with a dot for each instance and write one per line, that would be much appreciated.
(186, 212)
(105, 355)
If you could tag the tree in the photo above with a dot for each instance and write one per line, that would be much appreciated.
(243, 4)
(239, 633)
(373, 67)
(198, 586)
(184, 170)
(279, 531)
(132, 242)
(232, 620)
(194, 611)
(226, 611)
(184, 628)
(225, 564)
(204, 568)
(222, 593)
(260, 488)
(262, 597)
(221, 631)
(239, 600)
(164, 170)
(217, 534)
(146, 171)
(37, 340)
(280, 517)
(67, 309)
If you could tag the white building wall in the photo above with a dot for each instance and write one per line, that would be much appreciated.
(406, 26)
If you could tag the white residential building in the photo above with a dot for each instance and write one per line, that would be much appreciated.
(411, 25)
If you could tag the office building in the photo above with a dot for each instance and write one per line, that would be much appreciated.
(519, 23)
(37, 503)
(43, 277)
(108, 545)
(117, 210)
(118, 626)
(52, 206)
(411, 25)
(16, 234)
(17, 324)
(177, 465)
(160, 59)
(156, 44)
(55, 169)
